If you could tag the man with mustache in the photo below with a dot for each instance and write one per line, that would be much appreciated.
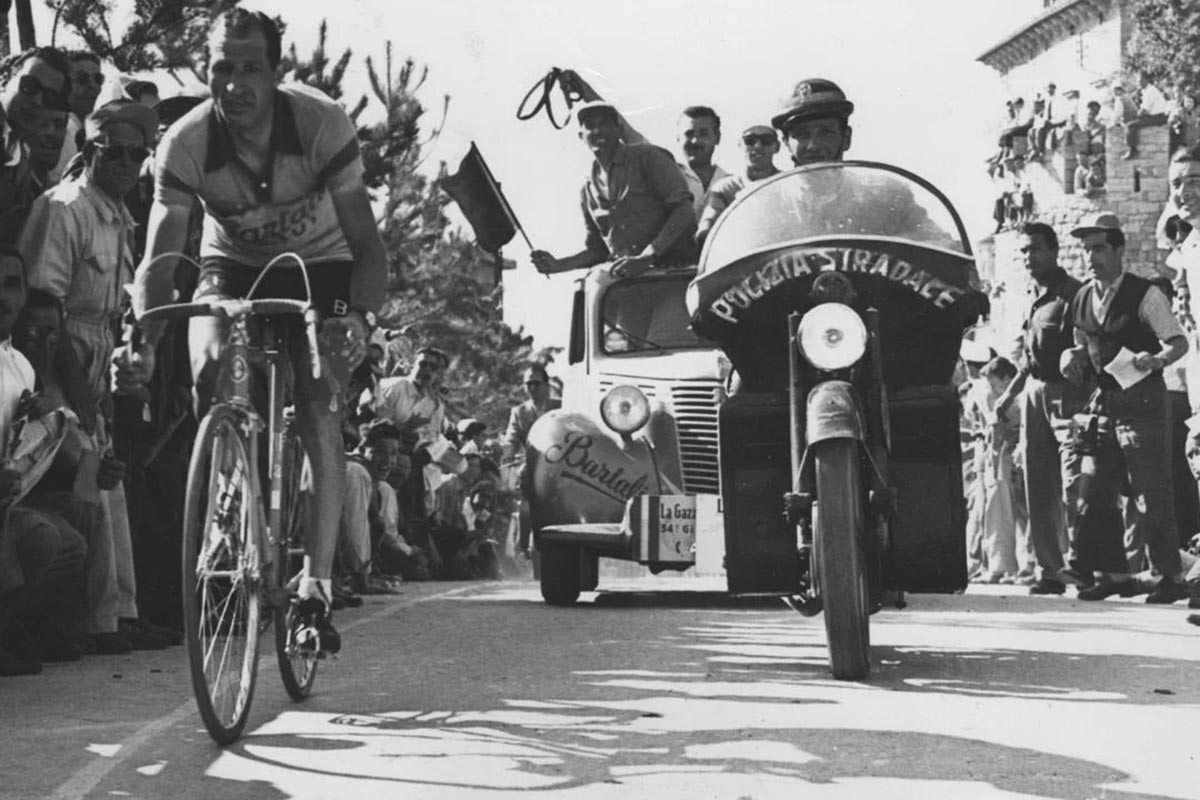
(699, 135)
(636, 205)
(277, 168)
(1119, 313)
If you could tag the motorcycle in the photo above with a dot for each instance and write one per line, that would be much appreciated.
(840, 293)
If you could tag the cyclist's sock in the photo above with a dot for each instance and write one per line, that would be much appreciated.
(320, 588)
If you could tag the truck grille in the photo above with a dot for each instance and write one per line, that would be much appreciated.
(695, 405)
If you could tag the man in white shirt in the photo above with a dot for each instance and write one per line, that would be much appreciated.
(1152, 110)
(699, 135)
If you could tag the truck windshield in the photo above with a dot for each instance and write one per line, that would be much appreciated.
(647, 316)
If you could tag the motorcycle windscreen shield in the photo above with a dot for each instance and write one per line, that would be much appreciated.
(893, 235)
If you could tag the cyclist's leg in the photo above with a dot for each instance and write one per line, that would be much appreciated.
(219, 278)
(319, 411)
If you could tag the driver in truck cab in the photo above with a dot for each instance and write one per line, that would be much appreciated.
(636, 204)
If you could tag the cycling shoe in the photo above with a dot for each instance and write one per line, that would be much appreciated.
(314, 627)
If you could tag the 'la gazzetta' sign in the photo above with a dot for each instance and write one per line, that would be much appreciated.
(806, 263)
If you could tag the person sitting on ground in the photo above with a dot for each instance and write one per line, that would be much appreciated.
(450, 530)
(38, 556)
(361, 523)
(395, 551)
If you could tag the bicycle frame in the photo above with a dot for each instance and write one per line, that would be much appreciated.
(236, 388)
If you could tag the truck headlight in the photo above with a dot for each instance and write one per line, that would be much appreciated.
(832, 336)
(625, 409)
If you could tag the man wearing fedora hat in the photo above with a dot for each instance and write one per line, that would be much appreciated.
(636, 204)
(1121, 319)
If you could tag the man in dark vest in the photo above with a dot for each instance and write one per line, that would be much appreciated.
(1047, 403)
(1125, 334)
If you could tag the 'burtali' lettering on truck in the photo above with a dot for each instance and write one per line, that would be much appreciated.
(800, 264)
(574, 453)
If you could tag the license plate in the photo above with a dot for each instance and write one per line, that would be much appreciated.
(664, 528)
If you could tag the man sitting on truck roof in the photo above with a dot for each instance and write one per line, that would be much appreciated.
(636, 203)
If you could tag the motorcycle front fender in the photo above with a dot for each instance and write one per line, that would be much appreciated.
(833, 413)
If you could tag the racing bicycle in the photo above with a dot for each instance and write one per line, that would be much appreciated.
(242, 546)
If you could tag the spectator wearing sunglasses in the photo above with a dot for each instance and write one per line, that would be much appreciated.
(33, 81)
(86, 82)
(759, 144)
(77, 248)
(520, 420)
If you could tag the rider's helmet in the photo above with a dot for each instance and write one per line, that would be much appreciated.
(812, 98)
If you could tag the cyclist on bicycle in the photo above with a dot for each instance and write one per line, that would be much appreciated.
(277, 168)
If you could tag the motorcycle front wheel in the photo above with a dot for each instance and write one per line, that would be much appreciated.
(838, 531)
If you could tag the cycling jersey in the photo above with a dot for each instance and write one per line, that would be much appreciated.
(251, 217)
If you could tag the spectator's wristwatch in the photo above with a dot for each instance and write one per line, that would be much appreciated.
(368, 317)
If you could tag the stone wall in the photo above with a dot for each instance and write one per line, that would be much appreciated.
(1136, 192)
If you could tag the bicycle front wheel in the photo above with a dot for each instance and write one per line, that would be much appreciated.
(222, 572)
(297, 666)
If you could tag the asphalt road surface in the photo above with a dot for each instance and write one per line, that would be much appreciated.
(666, 689)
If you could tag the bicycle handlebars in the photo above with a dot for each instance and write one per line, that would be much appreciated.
(231, 308)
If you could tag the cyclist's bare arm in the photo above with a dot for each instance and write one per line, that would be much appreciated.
(154, 283)
(368, 282)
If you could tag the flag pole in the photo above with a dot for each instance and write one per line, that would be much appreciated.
(495, 185)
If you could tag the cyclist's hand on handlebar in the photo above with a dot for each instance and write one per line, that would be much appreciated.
(345, 340)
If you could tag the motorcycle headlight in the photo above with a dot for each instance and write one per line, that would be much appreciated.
(625, 409)
(832, 336)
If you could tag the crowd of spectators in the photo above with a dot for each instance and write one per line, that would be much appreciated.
(93, 476)
(1083, 455)
(1028, 133)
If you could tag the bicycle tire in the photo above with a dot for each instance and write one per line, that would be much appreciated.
(297, 668)
(222, 572)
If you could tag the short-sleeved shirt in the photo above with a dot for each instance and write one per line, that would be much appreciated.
(626, 206)
(723, 192)
(700, 194)
(78, 245)
(251, 218)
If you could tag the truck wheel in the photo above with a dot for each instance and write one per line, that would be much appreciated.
(560, 573)
(838, 532)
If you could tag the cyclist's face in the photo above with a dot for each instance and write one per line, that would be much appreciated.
(241, 79)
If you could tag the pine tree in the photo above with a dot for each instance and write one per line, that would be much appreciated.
(1165, 45)
(436, 296)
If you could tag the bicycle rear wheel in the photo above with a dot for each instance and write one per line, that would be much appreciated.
(222, 571)
(297, 667)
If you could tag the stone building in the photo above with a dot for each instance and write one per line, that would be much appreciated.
(1078, 45)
